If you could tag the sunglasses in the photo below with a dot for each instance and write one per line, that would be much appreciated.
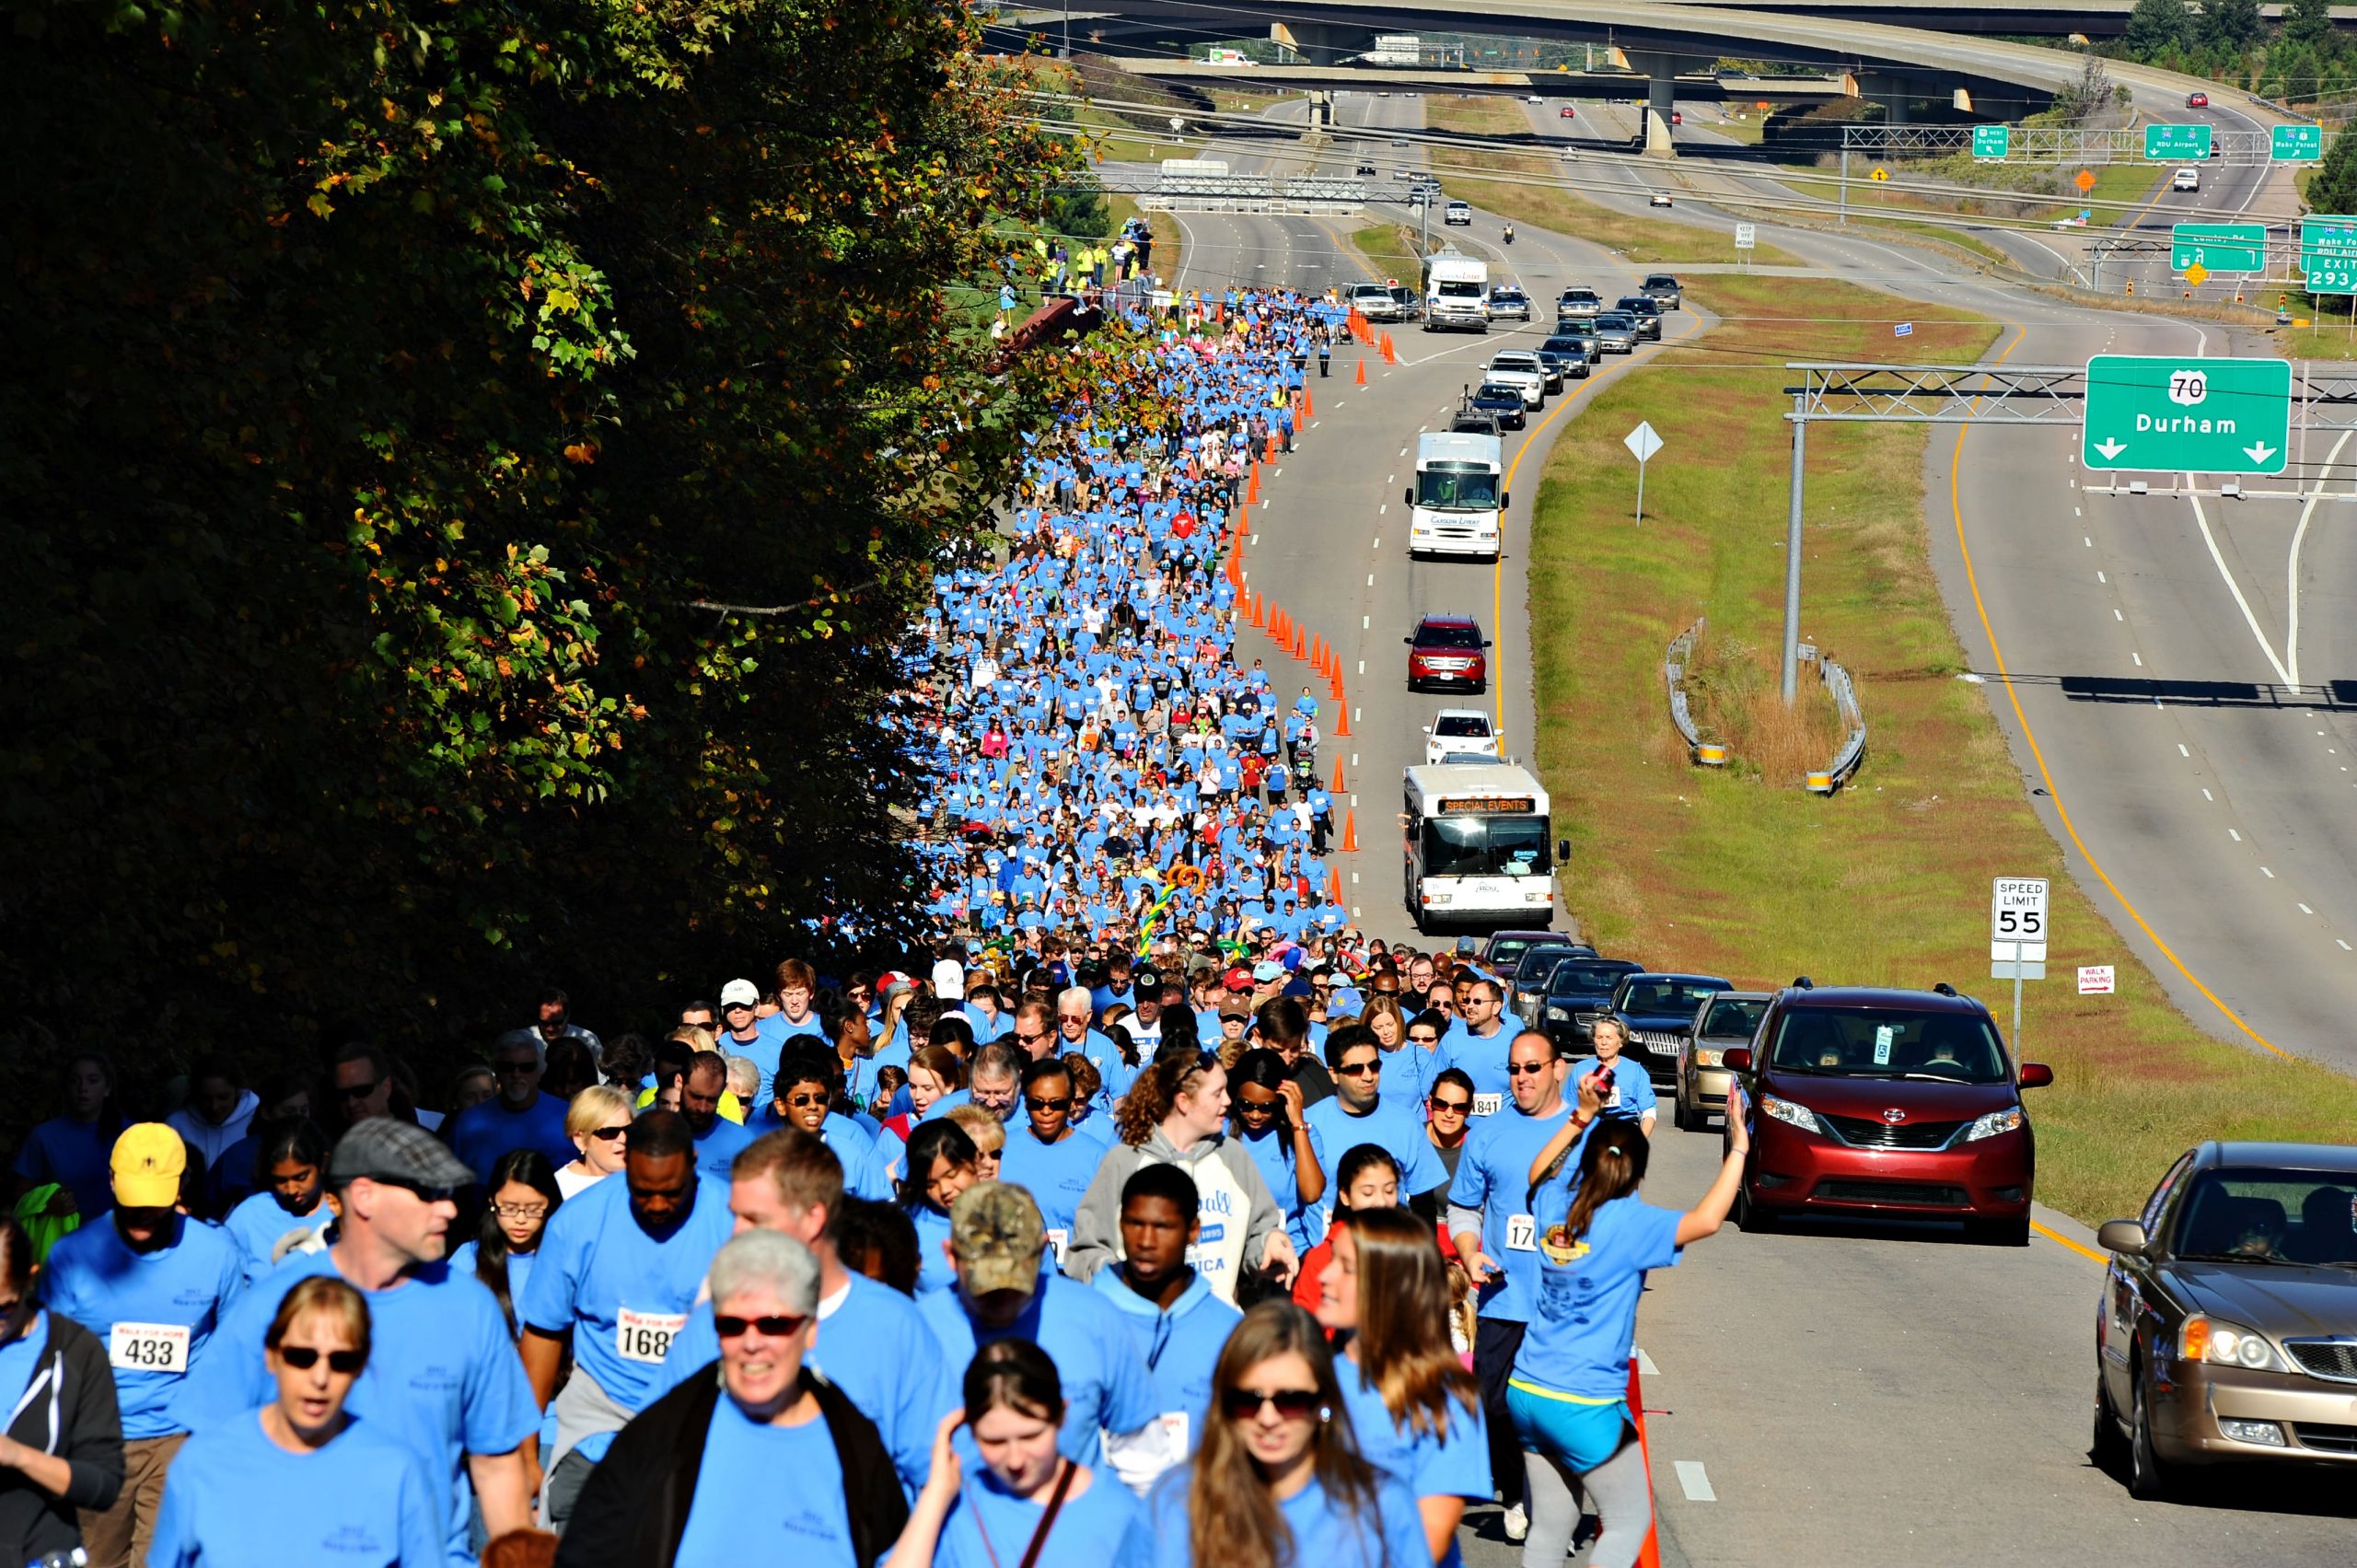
(302, 1358)
(361, 1091)
(423, 1194)
(1424, 1040)
(774, 1328)
(1030, 1039)
(1060, 1102)
(1450, 1107)
(607, 1134)
(805, 1100)
(1293, 1404)
(1359, 1070)
(1521, 1069)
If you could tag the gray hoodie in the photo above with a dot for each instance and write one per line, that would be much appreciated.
(1238, 1211)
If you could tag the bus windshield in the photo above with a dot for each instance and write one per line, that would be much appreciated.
(1451, 489)
(1450, 289)
(1485, 846)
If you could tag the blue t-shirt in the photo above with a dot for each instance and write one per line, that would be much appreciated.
(1586, 1318)
(73, 1154)
(519, 1267)
(1104, 1377)
(767, 1493)
(1391, 1535)
(233, 1497)
(1387, 1127)
(442, 1377)
(1493, 1176)
(20, 1358)
(989, 1526)
(619, 1291)
(717, 1146)
(156, 1312)
(864, 1348)
(1273, 1152)
(1633, 1088)
(1056, 1175)
(1454, 1464)
(1181, 1347)
(934, 1273)
(256, 1226)
(1484, 1061)
(488, 1131)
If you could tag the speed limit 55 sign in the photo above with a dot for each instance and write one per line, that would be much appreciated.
(2017, 918)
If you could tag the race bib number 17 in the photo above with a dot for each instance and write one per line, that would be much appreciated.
(1521, 1233)
(643, 1337)
(148, 1347)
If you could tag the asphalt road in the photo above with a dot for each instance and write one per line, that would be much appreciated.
(1851, 1394)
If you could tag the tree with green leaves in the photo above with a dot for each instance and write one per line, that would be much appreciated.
(2156, 26)
(2308, 22)
(2333, 187)
(470, 475)
(2232, 26)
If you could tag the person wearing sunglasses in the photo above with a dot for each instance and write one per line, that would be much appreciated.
(619, 1267)
(518, 1117)
(1026, 1502)
(1265, 1111)
(393, 1184)
(754, 1458)
(597, 1124)
(1477, 1043)
(1358, 1114)
(1414, 1406)
(1046, 1156)
(300, 1480)
(1279, 1458)
(1448, 1117)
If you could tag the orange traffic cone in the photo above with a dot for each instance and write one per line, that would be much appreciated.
(1389, 356)
(1362, 378)
(1334, 886)
(1273, 446)
(1334, 686)
(1335, 786)
(1300, 644)
(1252, 608)
(1308, 404)
(1349, 832)
(1648, 1555)
(1277, 619)
(1342, 716)
(1252, 494)
(1317, 655)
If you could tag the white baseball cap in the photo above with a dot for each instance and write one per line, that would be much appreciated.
(740, 994)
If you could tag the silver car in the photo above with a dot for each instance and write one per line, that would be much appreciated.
(1727, 1020)
(1616, 332)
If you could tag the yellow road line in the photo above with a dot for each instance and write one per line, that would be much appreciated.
(2059, 1239)
(2061, 812)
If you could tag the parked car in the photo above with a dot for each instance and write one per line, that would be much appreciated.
(1501, 404)
(1616, 332)
(1664, 290)
(1448, 652)
(1458, 731)
(2228, 1325)
(1577, 994)
(1519, 367)
(1410, 304)
(1566, 355)
(1643, 311)
(1659, 1010)
(1508, 301)
(1885, 1103)
(1725, 1019)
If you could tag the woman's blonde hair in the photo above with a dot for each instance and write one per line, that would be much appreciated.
(599, 1105)
(981, 1124)
(330, 1297)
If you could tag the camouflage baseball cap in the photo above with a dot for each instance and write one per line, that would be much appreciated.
(996, 1232)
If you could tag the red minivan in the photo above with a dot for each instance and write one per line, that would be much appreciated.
(1885, 1105)
(1445, 653)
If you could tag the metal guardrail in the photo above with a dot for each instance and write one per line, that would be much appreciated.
(1260, 191)
(1709, 753)
(2047, 143)
(1853, 754)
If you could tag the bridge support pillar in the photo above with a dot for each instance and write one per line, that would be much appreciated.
(1661, 99)
(1893, 93)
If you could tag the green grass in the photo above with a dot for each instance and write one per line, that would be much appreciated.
(1886, 882)
(1170, 240)
(1387, 250)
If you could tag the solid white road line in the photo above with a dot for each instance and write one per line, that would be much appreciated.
(2291, 569)
(1695, 1482)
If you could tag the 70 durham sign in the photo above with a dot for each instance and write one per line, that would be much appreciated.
(2187, 415)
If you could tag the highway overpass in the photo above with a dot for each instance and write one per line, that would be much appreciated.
(1693, 87)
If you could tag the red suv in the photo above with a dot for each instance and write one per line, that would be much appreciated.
(1885, 1104)
(1445, 653)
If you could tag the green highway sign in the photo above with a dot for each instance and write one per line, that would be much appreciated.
(2296, 144)
(2187, 415)
(2218, 246)
(2329, 254)
(1992, 141)
(2176, 143)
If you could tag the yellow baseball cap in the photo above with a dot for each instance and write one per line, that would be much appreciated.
(149, 1160)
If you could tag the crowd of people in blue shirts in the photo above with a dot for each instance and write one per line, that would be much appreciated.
(1149, 1217)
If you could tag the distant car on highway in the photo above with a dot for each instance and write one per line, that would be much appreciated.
(1726, 1019)
(1660, 199)
(1577, 303)
(1418, 196)
(1448, 652)
(1534, 98)
(1885, 1104)
(1565, 112)
(2186, 178)
(1365, 168)
(1460, 214)
(1616, 331)
(1565, 355)
(1664, 290)
(1402, 174)
(1459, 730)
(2197, 101)
(2228, 1325)
(1659, 1010)
(1643, 311)
(1519, 367)
(1577, 994)
(1506, 301)
(1580, 331)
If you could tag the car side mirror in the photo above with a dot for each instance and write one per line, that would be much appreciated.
(1408, 494)
(1487, 643)
(2036, 1075)
(1563, 849)
(1428, 729)
(1505, 499)
(1410, 641)
(2122, 1235)
(1737, 1060)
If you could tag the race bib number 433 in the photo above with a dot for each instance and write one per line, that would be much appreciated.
(644, 1336)
(148, 1347)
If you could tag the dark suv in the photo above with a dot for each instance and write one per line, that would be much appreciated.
(1577, 994)
(1659, 1010)
(1446, 654)
(1887, 1104)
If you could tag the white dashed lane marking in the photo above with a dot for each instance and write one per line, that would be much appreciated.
(1695, 1482)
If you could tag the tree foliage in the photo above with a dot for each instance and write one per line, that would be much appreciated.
(2334, 187)
(2230, 26)
(2157, 25)
(389, 382)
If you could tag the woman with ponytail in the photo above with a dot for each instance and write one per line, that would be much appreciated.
(1176, 1113)
(1569, 1392)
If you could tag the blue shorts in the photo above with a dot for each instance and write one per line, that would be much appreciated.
(1582, 1433)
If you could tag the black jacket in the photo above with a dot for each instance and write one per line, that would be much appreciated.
(69, 1409)
(633, 1508)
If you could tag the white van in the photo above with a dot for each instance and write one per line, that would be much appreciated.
(2186, 178)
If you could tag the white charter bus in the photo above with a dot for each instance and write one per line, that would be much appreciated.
(1477, 846)
(1458, 496)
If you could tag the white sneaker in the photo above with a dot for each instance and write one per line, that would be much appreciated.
(1517, 1522)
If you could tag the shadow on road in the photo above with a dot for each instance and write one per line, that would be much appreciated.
(2328, 695)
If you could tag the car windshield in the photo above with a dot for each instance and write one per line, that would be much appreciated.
(1507, 951)
(1462, 724)
(1637, 305)
(2251, 1214)
(1733, 1017)
(1660, 280)
(1889, 1043)
(1573, 977)
(1537, 965)
(1491, 392)
(1449, 487)
(1438, 634)
(1652, 996)
(1485, 846)
(1612, 318)
(1564, 345)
